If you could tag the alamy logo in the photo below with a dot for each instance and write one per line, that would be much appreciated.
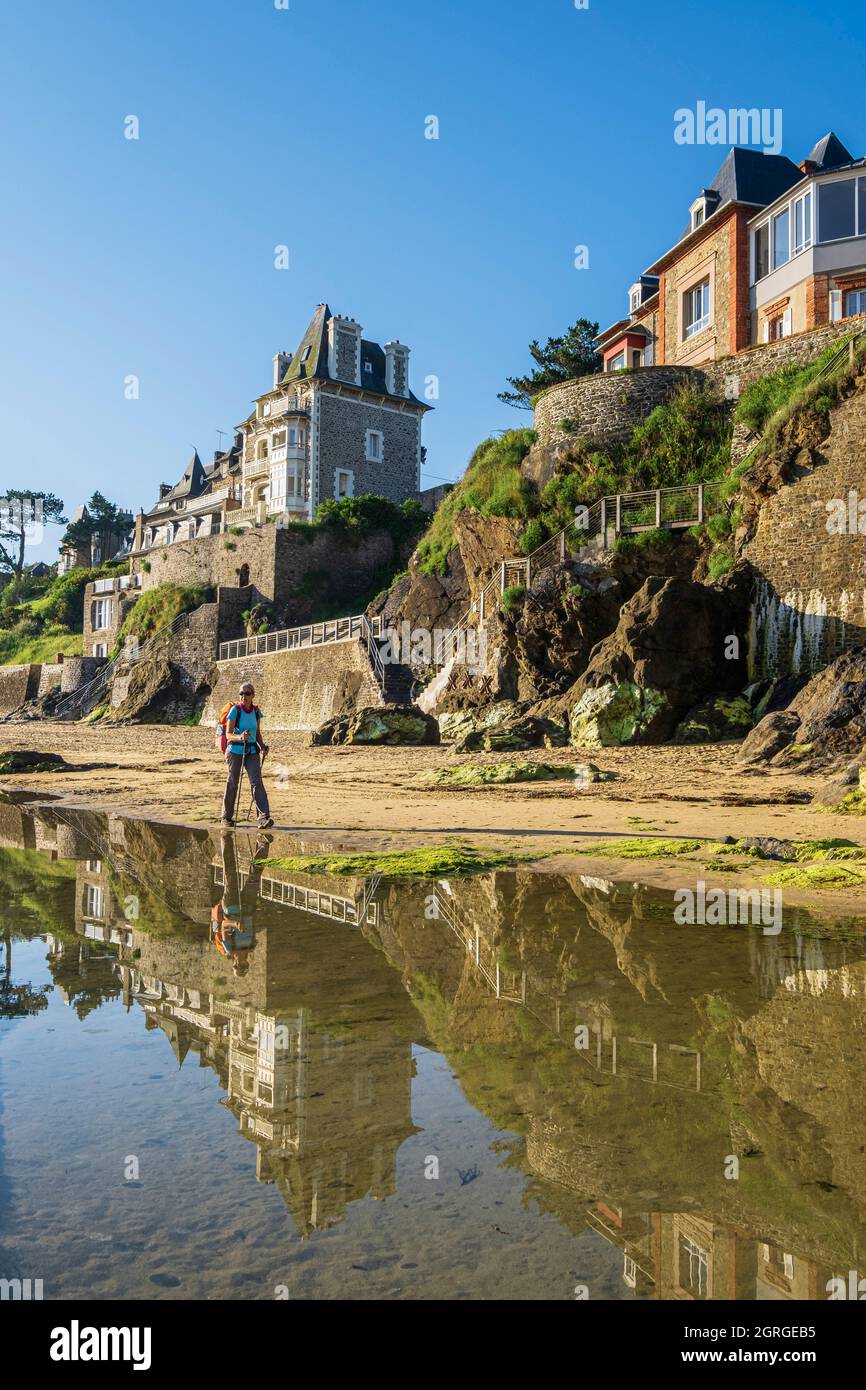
(846, 516)
(20, 1290)
(737, 126)
(718, 907)
(76, 1343)
(419, 646)
(854, 1289)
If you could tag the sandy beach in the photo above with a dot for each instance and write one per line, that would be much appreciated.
(375, 798)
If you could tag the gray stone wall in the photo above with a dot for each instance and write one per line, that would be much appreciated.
(810, 600)
(300, 689)
(343, 423)
(605, 407)
(294, 572)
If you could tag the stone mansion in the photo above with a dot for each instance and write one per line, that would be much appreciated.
(339, 420)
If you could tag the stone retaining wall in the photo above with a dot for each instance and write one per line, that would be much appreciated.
(810, 602)
(14, 683)
(299, 690)
(605, 407)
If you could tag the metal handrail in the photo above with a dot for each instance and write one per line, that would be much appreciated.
(297, 638)
(101, 678)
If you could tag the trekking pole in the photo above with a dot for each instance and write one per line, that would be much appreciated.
(252, 794)
(240, 780)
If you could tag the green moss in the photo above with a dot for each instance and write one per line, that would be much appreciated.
(645, 848)
(486, 774)
(438, 861)
(819, 876)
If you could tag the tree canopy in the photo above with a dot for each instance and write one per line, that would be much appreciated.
(560, 359)
(20, 514)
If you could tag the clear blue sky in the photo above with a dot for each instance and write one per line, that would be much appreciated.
(305, 126)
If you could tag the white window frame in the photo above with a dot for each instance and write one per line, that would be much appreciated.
(858, 230)
(801, 202)
(786, 211)
(861, 297)
(100, 649)
(103, 609)
(691, 330)
(612, 362)
(374, 446)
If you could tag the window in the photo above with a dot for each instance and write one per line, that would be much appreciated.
(693, 1268)
(101, 614)
(296, 438)
(697, 309)
(781, 238)
(100, 649)
(266, 408)
(292, 482)
(697, 217)
(762, 251)
(617, 363)
(836, 210)
(344, 483)
(305, 354)
(855, 302)
(634, 302)
(368, 365)
(93, 900)
(278, 440)
(803, 223)
(375, 440)
(262, 449)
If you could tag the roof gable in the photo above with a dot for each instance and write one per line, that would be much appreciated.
(830, 153)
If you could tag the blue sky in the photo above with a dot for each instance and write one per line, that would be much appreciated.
(305, 127)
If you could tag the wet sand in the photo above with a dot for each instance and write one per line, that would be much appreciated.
(372, 798)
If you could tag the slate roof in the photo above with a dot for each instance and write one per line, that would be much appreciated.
(192, 484)
(830, 153)
(311, 360)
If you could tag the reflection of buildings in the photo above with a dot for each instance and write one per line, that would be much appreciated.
(696, 1049)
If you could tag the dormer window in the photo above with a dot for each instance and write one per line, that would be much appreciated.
(634, 300)
(702, 208)
(306, 353)
(368, 365)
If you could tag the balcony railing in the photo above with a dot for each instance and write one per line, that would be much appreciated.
(295, 638)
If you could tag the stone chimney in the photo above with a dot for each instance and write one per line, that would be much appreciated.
(397, 368)
(139, 530)
(282, 360)
(344, 349)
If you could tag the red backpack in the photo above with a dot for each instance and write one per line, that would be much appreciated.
(220, 737)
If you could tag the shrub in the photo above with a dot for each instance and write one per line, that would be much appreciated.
(534, 536)
(719, 526)
(719, 563)
(513, 597)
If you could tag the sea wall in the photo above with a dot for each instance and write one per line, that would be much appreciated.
(299, 690)
(809, 602)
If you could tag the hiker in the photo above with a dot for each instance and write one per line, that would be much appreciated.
(245, 749)
(233, 932)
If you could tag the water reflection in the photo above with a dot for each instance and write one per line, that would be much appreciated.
(623, 1061)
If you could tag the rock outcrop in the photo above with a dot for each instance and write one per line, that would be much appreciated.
(824, 725)
(670, 651)
(384, 724)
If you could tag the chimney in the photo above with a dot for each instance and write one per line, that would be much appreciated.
(807, 167)
(397, 368)
(281, 364)
(139, 530)
(344, 349)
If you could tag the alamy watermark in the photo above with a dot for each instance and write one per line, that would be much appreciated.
(422, 646)
(760, 126)
(729, 907)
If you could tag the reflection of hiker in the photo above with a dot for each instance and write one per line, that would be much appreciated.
(244, 749)
(231, 920)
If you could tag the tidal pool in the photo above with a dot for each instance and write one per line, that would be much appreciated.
(219, 1081)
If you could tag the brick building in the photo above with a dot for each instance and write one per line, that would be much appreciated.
(771, 248)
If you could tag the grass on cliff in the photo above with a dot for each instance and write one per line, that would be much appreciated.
(158, 607)
(438, 861)
(767, 405)
(493, 484)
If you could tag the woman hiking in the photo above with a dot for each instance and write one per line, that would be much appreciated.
(244, 749)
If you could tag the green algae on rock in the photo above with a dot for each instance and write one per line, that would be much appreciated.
(645, 848)
(438, 861)
(608, 715)
(485, 774)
